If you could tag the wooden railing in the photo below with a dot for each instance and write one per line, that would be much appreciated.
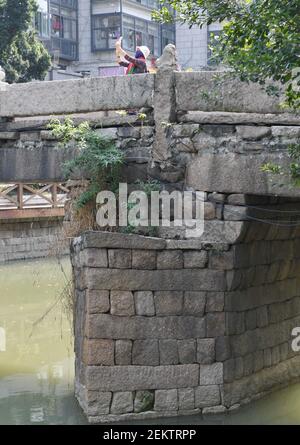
(32, 200)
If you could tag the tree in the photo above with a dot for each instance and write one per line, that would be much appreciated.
(22, 55)
(260, 38)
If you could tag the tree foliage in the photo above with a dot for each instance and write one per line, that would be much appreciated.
(22, 55)
(260, 39)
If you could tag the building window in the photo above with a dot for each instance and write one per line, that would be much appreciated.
(151, 4)
(64, 25)
(138, 32)
(106, 29)
(168, 35)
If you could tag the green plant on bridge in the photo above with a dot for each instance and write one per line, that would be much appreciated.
(292, 169)
(97, 157)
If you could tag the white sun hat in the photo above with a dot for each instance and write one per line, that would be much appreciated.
(145, 50)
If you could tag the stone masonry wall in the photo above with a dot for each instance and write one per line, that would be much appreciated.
(20, 240)
(168, 327)
(147, 320)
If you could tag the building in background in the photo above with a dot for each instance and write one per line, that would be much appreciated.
(81, 34)
(193, 45)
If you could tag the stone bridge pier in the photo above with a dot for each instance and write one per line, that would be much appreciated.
(168, 327)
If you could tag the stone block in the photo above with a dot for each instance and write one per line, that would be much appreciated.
(262, 316)
(93, 258)
(206, 350)
(170, 259)
(122, 402)
(248, 364)
(98, 352)
(166, 400)
(128, 132)
(144, 259)
(187, 351)
(145, 352)
(144, 401)
(121, 303)
(110, 133)
(97, 301)
(229, 370)
(250, 319)
(211, 374)
(194, 303)
(258, 360)
(215, 324)
(123, 351)
(168, 352)
(182, 280)
(119, 240)
(223, 351)
(119, 258)
(144, 303)
(195, 259)
(267, 358)
(138, 328)
(168, 303)
(214, 410)
(186, 398)
(207, 396)
(98, 402)
(134, 378)
(235, 323)
(214, 301)
(221, 260)
(252, 132)
(209, 211)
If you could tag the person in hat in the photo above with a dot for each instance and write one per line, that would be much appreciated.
(136, 64)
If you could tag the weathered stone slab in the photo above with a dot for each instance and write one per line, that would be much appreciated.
(222, 94)
(219, 117)
(86, 95)
(160, 280)
(206, 350)
(134, 378)
(121, 241)
(194, 303)
(139, 328)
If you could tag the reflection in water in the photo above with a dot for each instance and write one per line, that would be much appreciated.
(36, 361)
(37, 364)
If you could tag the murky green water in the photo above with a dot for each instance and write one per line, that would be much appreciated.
(37, 363)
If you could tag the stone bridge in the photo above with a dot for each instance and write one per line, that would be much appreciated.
(169, 326)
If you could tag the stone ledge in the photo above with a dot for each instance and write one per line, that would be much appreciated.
(121, 241)
(134, 378)
(177, 280)
(147, 415)
(219, 117)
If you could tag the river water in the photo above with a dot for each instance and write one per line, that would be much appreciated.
(37, 361)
